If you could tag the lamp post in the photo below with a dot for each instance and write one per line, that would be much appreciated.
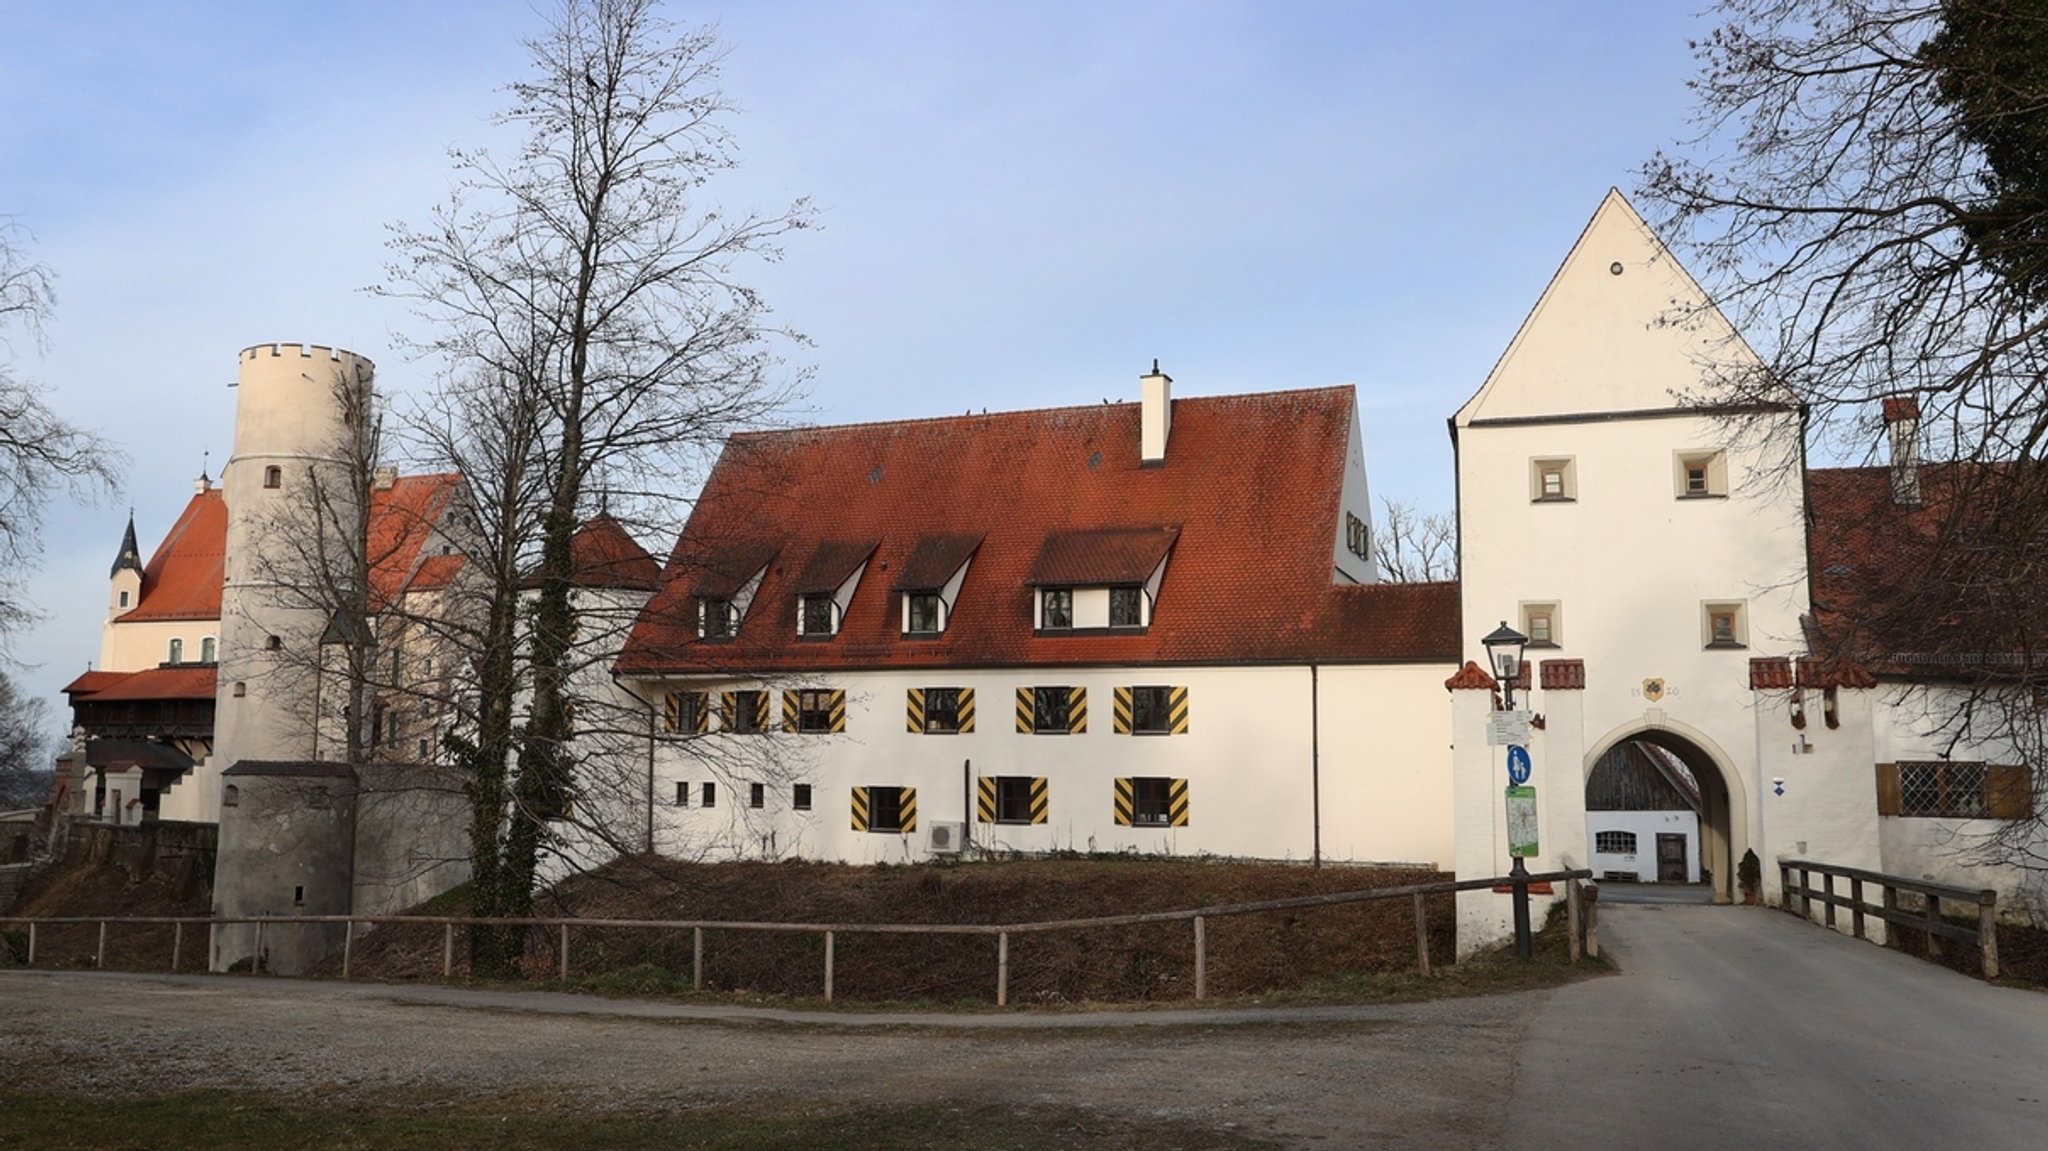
(1504, 653)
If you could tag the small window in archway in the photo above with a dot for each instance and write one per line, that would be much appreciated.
(1614, 842)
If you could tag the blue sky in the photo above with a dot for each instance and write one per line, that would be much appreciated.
(1020, 204)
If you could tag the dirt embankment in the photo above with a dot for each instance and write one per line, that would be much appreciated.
(1247, 954)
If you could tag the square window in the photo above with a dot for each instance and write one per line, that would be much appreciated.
(885, 809)
(1049, 712)
(941, 710)
(715, 618)
(816, 615)
(800, 797)
(709, 796)
(1126, 607)
(682, 794)
(1541, 622)
(1056, 609)
(1152, 801)
(814, 710)
(1723, 625)
(1700, 474)
(1954, 790)
(1152, 710)
(924, 613)
(747, 707)
(1013, 799)
(757, 795)
(1552, 480)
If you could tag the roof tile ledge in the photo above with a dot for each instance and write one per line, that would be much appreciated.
(1837, 672)
(1564, 675)
(1770, 673)
(1471, 677)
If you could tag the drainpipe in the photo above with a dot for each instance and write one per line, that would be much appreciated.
(1315, 764)
(651, 721)
(966, 804)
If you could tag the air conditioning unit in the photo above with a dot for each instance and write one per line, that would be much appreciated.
(947, 838)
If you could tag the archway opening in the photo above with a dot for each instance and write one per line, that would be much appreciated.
(1659, 811)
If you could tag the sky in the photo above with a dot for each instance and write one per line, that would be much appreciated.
(1019, 205)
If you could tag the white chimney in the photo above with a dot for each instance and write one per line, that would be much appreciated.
(1902, 420)
(1155, 420)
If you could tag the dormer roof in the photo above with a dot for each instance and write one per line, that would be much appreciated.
(602, 554)
(1247, 507)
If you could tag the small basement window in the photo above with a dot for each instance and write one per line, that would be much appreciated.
(682, 794)
(757, 795)
(708, 797)
(1614, 842)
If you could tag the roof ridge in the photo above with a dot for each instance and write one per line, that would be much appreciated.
(768, 433)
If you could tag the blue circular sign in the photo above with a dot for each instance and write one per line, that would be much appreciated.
(1518, 764)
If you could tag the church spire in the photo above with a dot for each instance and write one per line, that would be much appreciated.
(131, 555)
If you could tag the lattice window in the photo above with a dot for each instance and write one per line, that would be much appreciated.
(1955, 790)
(1614, 842)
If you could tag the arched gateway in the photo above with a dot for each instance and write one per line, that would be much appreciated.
(1724, 802)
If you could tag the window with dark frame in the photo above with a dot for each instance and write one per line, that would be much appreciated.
(1553, 483)
(689, 710)
(885, 809)
(1151, 801)
(924, 613)
(800, 797)
(1048, 709)
(814, 710)
(1013, 799)
(682, 794)
(1542, 626)
(1126, 607)
(1614, 842)
(273, 477)
(708, 797)
(746, 712)
(941, 710)
(757, 795)
(1696, 478)
(1946, 789)
(1056, 609)
(717, 618)
(817, 615)
(1152, 710)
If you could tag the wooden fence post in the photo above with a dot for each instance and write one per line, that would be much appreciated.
(348, 945)
(177, 943)
(1806, 895)
(1593, 923)
(565, 953)
(1422, 933)
(99, 958)
(1856, 907)
(1002, 969)
(1828, 880)
(696, 959)
(1201, 961)
(31, 944)
(1571, 918)
(1784, 885)
(828, 967)
(1987, 932)
(1933, 916)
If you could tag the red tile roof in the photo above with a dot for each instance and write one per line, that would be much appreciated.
(182, 579)
(602, 554)
(402, 520)
(1770, 673)
(934, 560)
(1252, 483)
(1102, 557)
(1564, 675)
(190, 681)
(1471, 677)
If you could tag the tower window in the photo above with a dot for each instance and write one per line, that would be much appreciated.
(208, 650)
(177, 652)
(273, 476)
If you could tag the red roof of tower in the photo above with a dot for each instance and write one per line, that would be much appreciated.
(182, 579)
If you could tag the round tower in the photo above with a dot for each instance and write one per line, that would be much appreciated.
(295, 476)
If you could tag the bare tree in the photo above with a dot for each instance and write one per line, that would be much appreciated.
(25, 777)
(41, 454)
(1410, 546)
(1867, 197)
(590, 276)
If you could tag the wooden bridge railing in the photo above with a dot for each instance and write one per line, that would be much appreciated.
(1928, 918)
(1581, 910)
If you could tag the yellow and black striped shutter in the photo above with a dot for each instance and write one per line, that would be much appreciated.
(761, 711)
(966, 710)
(838, 709)
(1040, 794)
(1125, 805)
(1177, 803)
(909, 809)
(985, 798)
(672, 712)
(789, 705)
(1121, 719)
(1077, 710)
(1024, 709)
(728, 709)
(1177, 710)
(703, 701)
(913, 711)
(860, 809)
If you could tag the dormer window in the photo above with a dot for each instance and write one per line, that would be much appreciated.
(925, 613)
(1056, 609)
(816, 616)
(177, 653)
(1127, 607)
(715, 618)
(207, 650)
(929, 582)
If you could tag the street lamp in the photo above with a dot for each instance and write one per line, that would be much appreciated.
(1504, 651)
(1504, 655)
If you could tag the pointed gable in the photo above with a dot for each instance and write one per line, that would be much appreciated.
(183, 578)
(1622, 327)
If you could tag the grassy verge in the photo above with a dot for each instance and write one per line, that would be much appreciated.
(220, 1121)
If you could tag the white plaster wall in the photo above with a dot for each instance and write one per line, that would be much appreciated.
(141, 644)
(1817, 788)
(1355, 499)
(1646, 826)
(1247, 757)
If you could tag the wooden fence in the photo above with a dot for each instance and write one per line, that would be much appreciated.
(1582, 927)
(1983, 936)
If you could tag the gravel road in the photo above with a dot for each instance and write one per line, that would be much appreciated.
(1412, 1075)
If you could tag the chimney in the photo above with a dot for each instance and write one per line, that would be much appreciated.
(1155, 419)
(203, 484)
(384, 479)
(1902, 422)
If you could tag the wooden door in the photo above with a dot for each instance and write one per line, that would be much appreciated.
(1670, 858)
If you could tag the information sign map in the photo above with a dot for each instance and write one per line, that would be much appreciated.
(1521, 803)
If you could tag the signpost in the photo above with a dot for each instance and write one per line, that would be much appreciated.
(1507, 728)
(1522, 822)
(1518, 764)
